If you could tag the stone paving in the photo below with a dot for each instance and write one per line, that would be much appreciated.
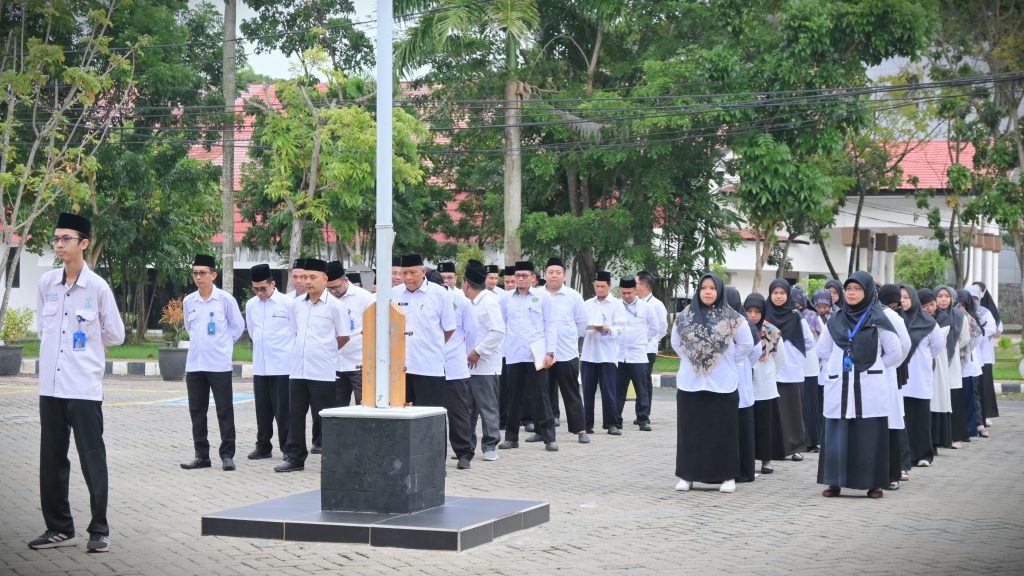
(613, 509)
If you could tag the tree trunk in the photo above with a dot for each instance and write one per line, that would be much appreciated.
(824, 252)
(513, 172)
(228, 167)
(781, 270)
(854, 246)
(141, 310)
(9, 278)
(294, 244)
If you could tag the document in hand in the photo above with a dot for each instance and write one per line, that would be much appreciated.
(538, 351)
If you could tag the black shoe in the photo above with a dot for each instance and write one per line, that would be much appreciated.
(317, 450)
(813, 450)
(534, 438)
(228, 464)
(636, 422)
(98, 543)
(196, 463)
(463, 463)
(645, 427)
(798, 457)
(590, 430)
(52, 539)
(454, 457)
(529, 427)
(614, 431)
(767, 470)
(507, 444)
(258, 454)
(289, 466)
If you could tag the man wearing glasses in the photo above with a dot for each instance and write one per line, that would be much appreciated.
(214, 323)
(355, 301)
(78, 317)
(268, 320)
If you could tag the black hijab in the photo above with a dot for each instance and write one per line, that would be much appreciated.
(919, 322)
(732, 297)
(705, 332)
(951, 317)
(786, 317)
(864, 347)
(969, 305)
(755, 300)
(988, 302)
(833, 283)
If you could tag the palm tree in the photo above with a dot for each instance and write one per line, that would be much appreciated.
(446, 26)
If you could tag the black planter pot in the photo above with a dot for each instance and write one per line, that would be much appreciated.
(10, 360)
(172, 363)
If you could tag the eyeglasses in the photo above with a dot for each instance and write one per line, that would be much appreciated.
(259, 289)
(523, 275)
(200, 273)
(64, 239)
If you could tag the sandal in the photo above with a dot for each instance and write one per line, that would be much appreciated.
(894, 485)
(767, 470)
(956, 445)
(983, 433)
(831, 492)
(904, 476)
(875, 493)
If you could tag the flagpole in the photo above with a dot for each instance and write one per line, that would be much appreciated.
(385, 228)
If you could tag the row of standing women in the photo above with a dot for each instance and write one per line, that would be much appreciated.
(876, 379)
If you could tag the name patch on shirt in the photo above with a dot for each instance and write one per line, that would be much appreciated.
(51, 296)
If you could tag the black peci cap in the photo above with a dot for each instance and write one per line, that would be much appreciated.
(628, 282)
(555, 261)
(446, 267)
(492, 269)
(603, 276)
(334, 270)
(315, 265)
(259, 273)
(205, 260)
(354, 277)
(299, 264)
(74, 222)
(509, 271)
(410, 260)
(396, 261)
(476, 274)
(524, 266)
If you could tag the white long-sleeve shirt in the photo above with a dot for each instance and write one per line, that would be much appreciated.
(355, 300)
(490, 334)
(641, 325)
(429, 314)
(790, 366)
(456, 349)
(269, 323)
(991, 329)
(876, 398)
(527, 319)
(895, 400)
(603, 348)
(88, 306)
(570, 322)
(212, 352)
(724, 377)
(661, 316)
(919, 382)
(744, 367)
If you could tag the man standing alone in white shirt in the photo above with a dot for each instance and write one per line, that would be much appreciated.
(268, 320)
(571, 324)
(78, 317)
(605, 320)
(321, 328)
(214, 323)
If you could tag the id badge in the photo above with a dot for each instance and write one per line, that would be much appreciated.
(211, 326)
(847, 363)
(78, 341)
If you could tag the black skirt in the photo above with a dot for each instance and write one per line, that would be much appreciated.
(958, 418)
(989, 404)
(746, 438)
(895, 464)
(918, 418)
(791, 418)
(767, 436)
(855, 453)
(707, 436)
(812, 412)
(942, 433)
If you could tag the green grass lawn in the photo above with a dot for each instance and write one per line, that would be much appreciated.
(139, 351)
(1006, 367)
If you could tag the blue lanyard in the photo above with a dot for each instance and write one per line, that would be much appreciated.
(851, 334)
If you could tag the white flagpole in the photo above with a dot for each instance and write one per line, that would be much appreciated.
(385, 228)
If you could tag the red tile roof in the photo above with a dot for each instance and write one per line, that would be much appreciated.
(928, 161)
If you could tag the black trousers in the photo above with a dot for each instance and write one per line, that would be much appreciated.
(304, 395)
(200, 385)
(528, 386)
(347, 384)
(271, 397)
(605, 375)
(503, 395)
(429, 390)
(651, 357)
(565, 376)
(637, 374)
(457, 401)
(58, 417)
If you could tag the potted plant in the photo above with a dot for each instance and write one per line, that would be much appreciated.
(172, 359)
(15, 329)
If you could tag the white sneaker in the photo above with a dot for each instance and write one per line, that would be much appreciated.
(728, 486)
(491, 456)
(924, 463)
(683, 486)
(988, 422)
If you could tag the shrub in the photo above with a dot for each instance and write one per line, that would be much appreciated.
(1004, 343)
(16, 325)
(173, 319)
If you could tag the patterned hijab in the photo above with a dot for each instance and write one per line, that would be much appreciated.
(705, 332)
(807, 311)
(768, 333)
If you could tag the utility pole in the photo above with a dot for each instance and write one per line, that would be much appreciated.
(228, 166)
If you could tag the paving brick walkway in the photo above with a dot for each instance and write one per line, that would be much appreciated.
(613, 510)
